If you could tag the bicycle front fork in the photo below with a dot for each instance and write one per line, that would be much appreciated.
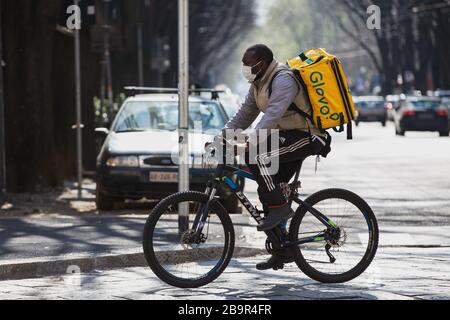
(201, 215)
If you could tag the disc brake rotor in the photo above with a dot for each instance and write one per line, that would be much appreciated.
(338, 241)
(187, 242)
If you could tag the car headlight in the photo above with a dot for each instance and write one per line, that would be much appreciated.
(123, 161)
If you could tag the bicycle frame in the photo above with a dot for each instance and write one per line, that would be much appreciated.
(275, 235)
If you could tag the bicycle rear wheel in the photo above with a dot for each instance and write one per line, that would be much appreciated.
(353, 247)
(174, 257)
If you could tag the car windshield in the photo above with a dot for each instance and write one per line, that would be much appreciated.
(150, 115)
(230, 109)
(370, 104)
(425, 104)
(230, 104)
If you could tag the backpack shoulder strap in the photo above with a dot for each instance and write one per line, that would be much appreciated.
(294, 73)
(293, 107)
(299, 81)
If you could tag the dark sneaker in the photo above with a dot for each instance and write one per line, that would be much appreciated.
(275, 262)
(276, 216)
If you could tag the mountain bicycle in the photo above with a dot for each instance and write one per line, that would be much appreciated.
(333, 235)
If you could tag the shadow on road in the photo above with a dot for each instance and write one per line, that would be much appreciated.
(242, 281)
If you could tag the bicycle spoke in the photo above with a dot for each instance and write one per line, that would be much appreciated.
(348, 247)
(184, 256)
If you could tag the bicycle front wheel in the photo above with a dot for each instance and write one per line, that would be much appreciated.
(174, 256)
(351, 246)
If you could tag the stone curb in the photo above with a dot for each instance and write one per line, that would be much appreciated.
(17, 270)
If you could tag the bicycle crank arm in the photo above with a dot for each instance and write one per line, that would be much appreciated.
(275, 239)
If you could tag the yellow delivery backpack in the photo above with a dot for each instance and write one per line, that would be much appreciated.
(323, 77)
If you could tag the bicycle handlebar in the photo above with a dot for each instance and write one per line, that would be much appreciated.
(226, 145)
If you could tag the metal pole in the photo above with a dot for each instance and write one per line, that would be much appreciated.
(2, 117)
(78, 106)
(104, 106)
(107, 56)
(183, 86)
(140, 56)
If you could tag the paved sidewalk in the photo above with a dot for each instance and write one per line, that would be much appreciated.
(45, 245)
(396, 273)
(48, 245)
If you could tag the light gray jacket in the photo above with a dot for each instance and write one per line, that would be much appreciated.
(286, 90)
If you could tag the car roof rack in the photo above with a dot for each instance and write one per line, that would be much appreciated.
(214, 92)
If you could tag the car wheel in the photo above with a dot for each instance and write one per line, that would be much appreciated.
(103, 201)
(357, 123)
(444, 134)
(383, 123)
(231, 204)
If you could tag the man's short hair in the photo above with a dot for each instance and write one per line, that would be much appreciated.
(262, 52)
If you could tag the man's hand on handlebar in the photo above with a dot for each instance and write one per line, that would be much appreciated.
(228, 147)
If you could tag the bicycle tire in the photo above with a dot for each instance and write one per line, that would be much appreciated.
(149, 252)
(369, 255)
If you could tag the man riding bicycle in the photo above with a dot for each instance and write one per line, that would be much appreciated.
(333, 236)
(276, 91)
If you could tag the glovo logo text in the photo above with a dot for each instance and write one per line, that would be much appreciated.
(319, 84)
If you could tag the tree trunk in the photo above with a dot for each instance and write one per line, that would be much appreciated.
(29, 40)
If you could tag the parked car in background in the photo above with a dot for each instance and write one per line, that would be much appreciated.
(230, 103)
(136, 160)
(442, 93)
(229, 100)
(371, 109)
(422, 114)
(446, 104)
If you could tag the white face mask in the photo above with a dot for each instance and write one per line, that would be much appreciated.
(248, 74)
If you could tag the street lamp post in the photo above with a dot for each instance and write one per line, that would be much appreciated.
(143, 10)
(79, 125)
(183, 87)
(107, 54)
(140, 56)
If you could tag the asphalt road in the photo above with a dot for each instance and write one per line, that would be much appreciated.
(406, 180)
(396, 274)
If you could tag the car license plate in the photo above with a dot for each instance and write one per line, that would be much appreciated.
(426, 116)
(166, 177)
